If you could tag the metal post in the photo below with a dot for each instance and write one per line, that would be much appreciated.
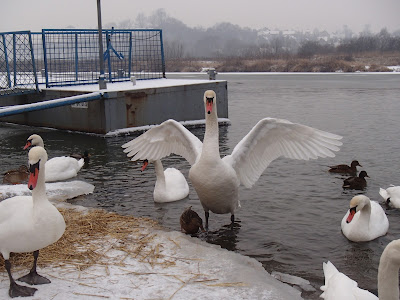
(102, 82)
(6, 59)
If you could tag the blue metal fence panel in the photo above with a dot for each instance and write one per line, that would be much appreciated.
(71, 56)
(17, 64)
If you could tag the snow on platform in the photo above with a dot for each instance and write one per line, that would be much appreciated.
(128, 85)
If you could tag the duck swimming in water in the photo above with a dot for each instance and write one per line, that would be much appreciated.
(356, 182)
(345, 169)
(17, 176)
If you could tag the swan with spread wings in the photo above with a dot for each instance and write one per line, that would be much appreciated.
(217, 180)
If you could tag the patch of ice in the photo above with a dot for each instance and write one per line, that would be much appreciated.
(56, 191)
(304, 284)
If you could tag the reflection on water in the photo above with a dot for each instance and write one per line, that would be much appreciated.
(226, 236)
(290, 219)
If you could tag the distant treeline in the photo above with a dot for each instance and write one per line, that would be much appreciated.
(226, 40)
(381, 42)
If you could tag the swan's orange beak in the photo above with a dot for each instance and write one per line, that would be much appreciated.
(33, 175)
(145, 164)
(209, 105)
(351, 214)
(27, 145)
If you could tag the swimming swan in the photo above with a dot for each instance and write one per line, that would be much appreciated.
(391, 195)
(170, 185)
(217, 180)
(57, 168)
(340, 287)
(365, 220)
(29, 223)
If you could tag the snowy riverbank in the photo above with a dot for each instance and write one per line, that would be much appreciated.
(151, 263)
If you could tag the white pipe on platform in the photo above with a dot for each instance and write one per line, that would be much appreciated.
(17, 109)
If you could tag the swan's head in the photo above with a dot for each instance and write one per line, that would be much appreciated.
(37, 158)
(34, 140)
(356, 204)
(210, 101)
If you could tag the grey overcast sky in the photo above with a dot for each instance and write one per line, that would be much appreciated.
(283, 14)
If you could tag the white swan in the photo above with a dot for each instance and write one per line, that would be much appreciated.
(365, 220)
(170, 185)
(340, 287)
(29, 223)
(217, 180)
(391, 195)
(57, 168)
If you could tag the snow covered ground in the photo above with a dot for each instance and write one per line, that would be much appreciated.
(186, 268)
(59, 191)
(172, 265)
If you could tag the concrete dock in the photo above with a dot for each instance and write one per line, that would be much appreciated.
(124, 105)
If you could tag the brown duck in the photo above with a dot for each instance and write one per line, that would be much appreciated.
(17, 176)
(190, 221)
(85, 156)
(345, 169)
(356, 182)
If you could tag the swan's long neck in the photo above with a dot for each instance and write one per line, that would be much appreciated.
(158, 167)
(388, 275)
(365, 214)
(211, 137)
(39, 192)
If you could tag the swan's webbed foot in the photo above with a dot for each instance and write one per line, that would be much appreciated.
(17, 290)
(33, 278)
(232, 221)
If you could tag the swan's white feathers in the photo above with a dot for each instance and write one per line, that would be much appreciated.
(339, 286)
(160, 141)
(272, 138)
(392, 192)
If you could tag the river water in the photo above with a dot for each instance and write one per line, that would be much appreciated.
(290, 219)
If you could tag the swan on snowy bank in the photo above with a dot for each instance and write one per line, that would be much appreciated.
(29, 223)
(217, 180)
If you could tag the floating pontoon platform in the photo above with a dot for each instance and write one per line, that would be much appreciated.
(122, 105)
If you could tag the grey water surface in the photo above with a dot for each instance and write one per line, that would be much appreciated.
(290, 219)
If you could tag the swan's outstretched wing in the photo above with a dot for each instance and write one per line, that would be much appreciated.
(162, 140)
(272, 138)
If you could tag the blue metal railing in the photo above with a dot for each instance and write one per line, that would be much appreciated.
(17, 64)
(60, 57)
(71, 56)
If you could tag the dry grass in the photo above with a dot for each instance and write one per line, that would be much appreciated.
(89, 236)
(318, 63)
